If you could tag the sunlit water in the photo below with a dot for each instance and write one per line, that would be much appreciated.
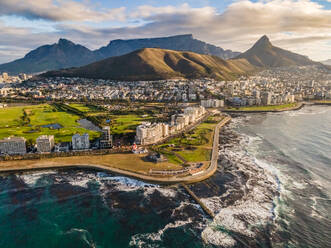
(272, 189)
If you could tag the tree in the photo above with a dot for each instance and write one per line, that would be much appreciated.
(30, 143)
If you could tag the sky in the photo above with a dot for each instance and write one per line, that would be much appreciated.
(302, 26)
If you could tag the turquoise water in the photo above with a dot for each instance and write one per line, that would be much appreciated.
(271, 190)
(103, 211)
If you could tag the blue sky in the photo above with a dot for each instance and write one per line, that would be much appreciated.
(303, 26)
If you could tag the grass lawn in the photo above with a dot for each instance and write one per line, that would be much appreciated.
(193, 146)
(264, 108)
(84, 108)
(11, 116)
(172, 158)
(200, 154)
(27, 121)
(128, 162)
(323, 101)
(119, 124)
(126, 123)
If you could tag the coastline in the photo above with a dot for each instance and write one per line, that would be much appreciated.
(296, 107)
(246, 191)
(96, 162)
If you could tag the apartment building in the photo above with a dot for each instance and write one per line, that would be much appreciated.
(80, 142)
(212, 103)
(106, 140)
(13, 145)
(148, 133)
(45, 143)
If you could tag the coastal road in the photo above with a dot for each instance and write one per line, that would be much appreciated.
(214, 157)
(11, 166)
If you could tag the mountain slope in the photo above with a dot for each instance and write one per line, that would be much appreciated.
(326, 62)
(49, 57)
(65, 54)
(156, 64)
(178, 42)
(264, 54)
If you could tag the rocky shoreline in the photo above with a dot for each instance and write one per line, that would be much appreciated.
(241, 194)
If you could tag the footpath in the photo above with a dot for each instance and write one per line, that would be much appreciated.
(15, 166)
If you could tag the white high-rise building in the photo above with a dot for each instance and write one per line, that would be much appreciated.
(80, 142)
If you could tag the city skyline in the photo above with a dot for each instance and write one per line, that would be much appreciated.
(234, 25)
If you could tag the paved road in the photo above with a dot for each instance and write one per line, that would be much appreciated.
(214, 157)
(169, 180)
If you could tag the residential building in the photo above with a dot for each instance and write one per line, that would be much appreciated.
(148, 133)
(45, 143)
(3, 92)
(5, 76)
(212, 103)
(13, 145)
(23, 76)
(62, 147)
(266, 98)
(80, 142)
(106, 140)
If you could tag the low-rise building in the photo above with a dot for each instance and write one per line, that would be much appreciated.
(45, 143)
(13, 145)
(62, 147)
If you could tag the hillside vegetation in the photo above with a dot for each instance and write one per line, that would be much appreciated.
(156, 64)
(264, 54)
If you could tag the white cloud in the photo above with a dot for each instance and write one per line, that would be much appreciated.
(60, 10)
(302, 26)
(241, 24)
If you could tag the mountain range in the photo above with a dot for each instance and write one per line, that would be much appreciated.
(66, 54)
(156, 64)
(184, 42)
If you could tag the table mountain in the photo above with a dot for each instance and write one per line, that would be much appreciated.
(65, 54)
(157, 64)
(179, 42)
(264, 54)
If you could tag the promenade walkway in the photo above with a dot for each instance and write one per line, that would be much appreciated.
(12, 166)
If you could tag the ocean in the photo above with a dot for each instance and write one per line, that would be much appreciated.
(272, 189)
